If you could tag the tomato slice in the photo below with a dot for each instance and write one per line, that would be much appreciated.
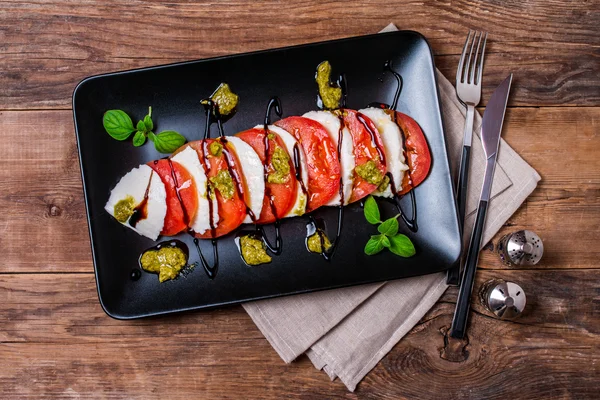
(323, 164)
(282, 195)
(182, 197)
(232, 211)
(368, 146)
(417, 151)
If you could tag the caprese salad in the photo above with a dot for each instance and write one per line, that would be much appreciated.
(330, 157)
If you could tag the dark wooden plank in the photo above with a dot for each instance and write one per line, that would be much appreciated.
(56, 340)
(40, 189)
(49, 46)
(550, 351)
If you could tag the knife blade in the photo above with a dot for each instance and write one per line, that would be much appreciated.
(491, 129)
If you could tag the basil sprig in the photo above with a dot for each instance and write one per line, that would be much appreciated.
(388, 237)
(120, 127)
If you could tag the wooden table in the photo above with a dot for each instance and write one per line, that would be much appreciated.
(55, 340)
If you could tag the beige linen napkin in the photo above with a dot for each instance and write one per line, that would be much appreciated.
(345, 332)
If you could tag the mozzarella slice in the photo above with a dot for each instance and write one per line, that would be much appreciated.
(188, 158)
(134, 184)
(392, 143)
(253, 172)
(290, 141)
(332, 123)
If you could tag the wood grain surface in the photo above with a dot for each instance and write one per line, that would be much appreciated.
(55, 340)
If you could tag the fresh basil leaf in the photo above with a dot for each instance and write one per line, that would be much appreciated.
(148, 123)
(385, 241)
(389, 227)
(402, 246)
(139, 139)
(141, 126)
(118, 124)
(374, 245)
(372, 211)
(168, 141)
(151, 136)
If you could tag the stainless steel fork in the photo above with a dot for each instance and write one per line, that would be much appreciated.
(468, 90)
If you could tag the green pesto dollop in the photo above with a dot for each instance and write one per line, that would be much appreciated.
(215, 148)
(254, 251)
(225, 100)
(301, 209)
(369, 172)
(166, 261)
(124, 209)
(331, 96)
(314, 242)
(384, 184)
(223, 183)
(281, 165)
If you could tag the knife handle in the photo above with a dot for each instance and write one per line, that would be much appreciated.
(453, 275)
(461, 313)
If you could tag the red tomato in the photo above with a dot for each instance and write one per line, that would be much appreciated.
(368, 146)
(232, 211)
(283, 195)
(182, 199)
(417, 151)
(321, 159)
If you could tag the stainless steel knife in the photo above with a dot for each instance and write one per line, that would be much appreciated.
(491, 128)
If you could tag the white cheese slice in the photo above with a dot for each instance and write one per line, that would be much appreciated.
(347, 163)
(392, 143)
(253, 172)
(290, 141)
(134, 184)
(188, 158)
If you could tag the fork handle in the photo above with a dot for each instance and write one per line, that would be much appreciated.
(453, 274)
(462, 185)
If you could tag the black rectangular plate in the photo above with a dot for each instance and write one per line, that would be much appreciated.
(174, 92)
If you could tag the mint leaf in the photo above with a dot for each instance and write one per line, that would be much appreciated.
(118, 124)
(151, 136)
(389, 227)
(372, 211)
(139, 139)
(167, 141)
(402, 246)
(148, 123)
(141, 126)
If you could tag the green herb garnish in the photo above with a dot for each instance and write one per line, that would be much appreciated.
(388, 237)
(120, 126)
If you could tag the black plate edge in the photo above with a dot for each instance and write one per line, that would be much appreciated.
(256, 52)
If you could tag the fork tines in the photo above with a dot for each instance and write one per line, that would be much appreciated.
(466, 70)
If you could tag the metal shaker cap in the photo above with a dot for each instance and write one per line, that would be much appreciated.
(521, 248)
(505, 299)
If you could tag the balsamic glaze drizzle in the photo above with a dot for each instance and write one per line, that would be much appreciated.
(341, 82)
(388, 67)
(274, 104)
(298, 169)
(328, 254)
(140, 211)
(186, 218)
(368, 128)
(211, 270)
(411, 223)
